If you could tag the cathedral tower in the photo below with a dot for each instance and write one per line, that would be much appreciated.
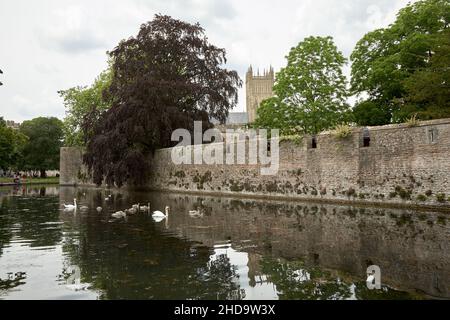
(258, 87)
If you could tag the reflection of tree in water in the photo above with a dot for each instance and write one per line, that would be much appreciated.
(386, 293)
(135, 260)
(5, 223)
(27, 217)
(220, 276)
(294, 280)
(12, 281)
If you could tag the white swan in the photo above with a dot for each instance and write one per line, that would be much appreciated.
(196, 214)
(71, 207)
(119, 215)
(84, 208)
(145, 208)
(159, 214)
(99, 209)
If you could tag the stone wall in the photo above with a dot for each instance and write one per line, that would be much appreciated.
(72, 171)
(402, 166)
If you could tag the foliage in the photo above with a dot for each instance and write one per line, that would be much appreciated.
(41, 151)
(165, 78)
(440, 197)
(385, 59)
(310, 91)
(343, 131)
(422, 197)
(428, 89)
(371, 113)
(11, 142)
(296, 138)
(295, 280)
(274, 114)
(413, 121)
(81, 102)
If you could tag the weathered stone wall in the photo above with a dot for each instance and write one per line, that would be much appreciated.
(402, 165)
(72, 171)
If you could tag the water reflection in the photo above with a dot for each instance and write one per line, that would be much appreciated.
(236, 249)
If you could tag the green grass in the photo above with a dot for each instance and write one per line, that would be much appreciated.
(49, 180)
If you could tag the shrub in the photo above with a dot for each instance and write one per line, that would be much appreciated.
(295, 138)
(422, 197)
(343, 131)
(413, 121)
(440, 197)
(404, 194)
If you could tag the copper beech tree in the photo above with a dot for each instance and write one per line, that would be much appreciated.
(165, 78)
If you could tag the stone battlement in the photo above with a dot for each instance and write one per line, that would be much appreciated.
(401, 165)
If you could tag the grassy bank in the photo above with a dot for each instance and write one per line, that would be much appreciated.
(49, 180)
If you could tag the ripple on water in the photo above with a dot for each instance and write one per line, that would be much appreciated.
(240, 250)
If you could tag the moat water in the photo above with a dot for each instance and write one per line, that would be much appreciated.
(239, 249)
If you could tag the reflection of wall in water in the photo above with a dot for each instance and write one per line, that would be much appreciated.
(254, 269)
(412, 248)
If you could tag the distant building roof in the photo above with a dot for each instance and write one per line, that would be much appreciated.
(234, 118)
(12, 124)
(237, 118)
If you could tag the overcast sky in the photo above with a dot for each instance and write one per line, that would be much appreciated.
(49, 45)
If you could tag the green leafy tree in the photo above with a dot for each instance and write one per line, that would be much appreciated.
(11, 143)
(384, 59)
(81, 103)
(41, 151)
(371, 113)
(274, 114)
(428, 89)
(311, 90)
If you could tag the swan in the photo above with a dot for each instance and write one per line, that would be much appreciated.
(84, 208)
(78, 286)
(71, 207)
(145, 208)
(131, 211)
(99, 209)
(159, 214)
(158, 219)
(196, 213)
(119, 215)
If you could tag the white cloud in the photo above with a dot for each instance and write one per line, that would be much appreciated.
(50, 45)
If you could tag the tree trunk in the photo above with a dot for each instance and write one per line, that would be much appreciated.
(43, 174)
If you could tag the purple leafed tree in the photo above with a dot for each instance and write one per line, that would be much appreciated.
(165, 78)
